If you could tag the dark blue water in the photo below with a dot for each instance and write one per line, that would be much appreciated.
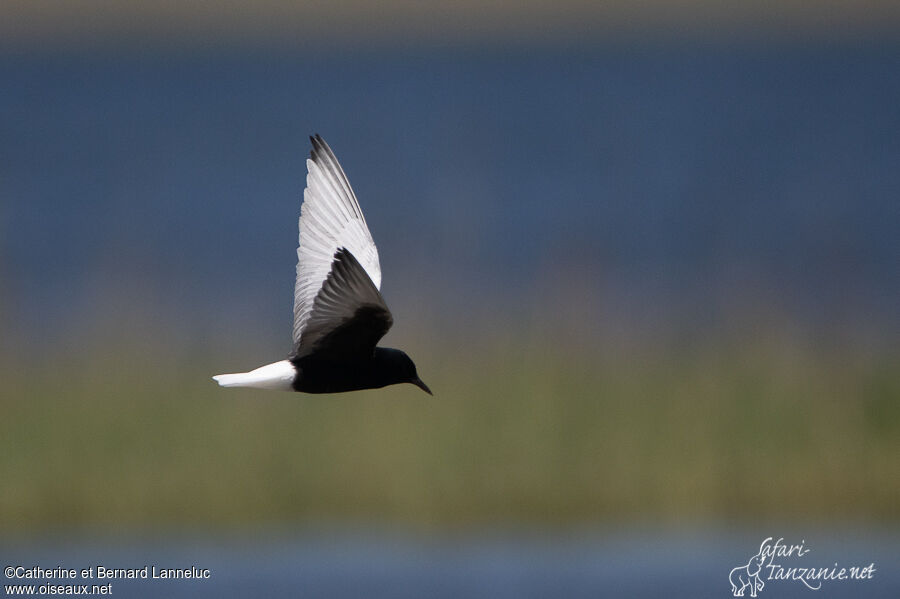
(671, 174)
(633, 563)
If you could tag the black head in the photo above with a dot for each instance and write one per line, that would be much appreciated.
(399, 367)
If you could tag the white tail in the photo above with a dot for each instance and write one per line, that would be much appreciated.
(279, 375)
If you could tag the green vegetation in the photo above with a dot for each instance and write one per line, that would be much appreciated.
(713, 432)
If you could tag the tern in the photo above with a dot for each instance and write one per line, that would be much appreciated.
(339, 314)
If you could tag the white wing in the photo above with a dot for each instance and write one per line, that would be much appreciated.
(330, 219)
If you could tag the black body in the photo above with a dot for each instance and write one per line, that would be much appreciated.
(384, 367)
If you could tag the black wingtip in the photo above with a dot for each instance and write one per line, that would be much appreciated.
(318, 146)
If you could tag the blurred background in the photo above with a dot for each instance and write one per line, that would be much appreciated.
(645, 254)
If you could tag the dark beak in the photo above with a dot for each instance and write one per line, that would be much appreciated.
(418, 383)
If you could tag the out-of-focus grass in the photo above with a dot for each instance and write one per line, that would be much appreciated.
(519, 431)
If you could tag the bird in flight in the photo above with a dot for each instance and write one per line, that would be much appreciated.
(339, 314)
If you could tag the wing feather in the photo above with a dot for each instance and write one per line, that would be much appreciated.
(349, 315)
(330, 219)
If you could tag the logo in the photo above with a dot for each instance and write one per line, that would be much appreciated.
(748, 576)
(777, 561)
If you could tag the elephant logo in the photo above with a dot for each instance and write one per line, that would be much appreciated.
(748, 576)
